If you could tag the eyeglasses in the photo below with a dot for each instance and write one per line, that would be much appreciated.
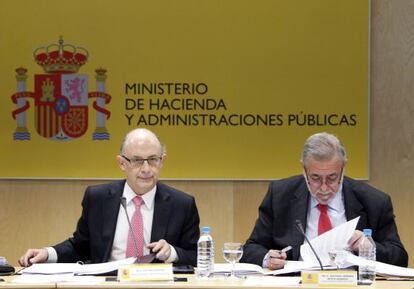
(318, 181)
(138, 162)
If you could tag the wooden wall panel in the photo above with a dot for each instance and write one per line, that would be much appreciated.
(37, 213)
(392, 109)
(247, 198)
(215, 204)
(40, 213)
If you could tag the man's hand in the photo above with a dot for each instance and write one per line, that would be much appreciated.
(33, 256)
(276, 260)
(355, 240)
(161, 249)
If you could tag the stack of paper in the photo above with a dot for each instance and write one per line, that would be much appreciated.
(76, 268)
(338, 237)
(47, 279)
(384, 269)
(239, 269)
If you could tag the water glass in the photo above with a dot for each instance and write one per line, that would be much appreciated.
(338, 256)
(232, 253)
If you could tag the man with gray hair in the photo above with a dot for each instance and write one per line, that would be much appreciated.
(321, 198)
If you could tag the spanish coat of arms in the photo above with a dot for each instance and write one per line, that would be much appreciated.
(61, 96)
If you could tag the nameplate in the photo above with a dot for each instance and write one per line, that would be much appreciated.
(146, 272)
(330, 277)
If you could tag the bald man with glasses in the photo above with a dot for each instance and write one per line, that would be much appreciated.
(163, 220)
(322, 198)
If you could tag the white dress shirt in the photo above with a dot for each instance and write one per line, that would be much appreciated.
(122, 227)
(336, 213)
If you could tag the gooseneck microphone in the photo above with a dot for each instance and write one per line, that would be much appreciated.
(123, 204)
(299, 226)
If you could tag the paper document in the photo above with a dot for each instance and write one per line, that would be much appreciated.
(46, 279)
(271, 280)
(296, 266)
(239, 268)
(76, 268)
(383, 269)
(334, 238)
(337, 237)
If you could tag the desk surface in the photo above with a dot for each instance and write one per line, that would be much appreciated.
(222, 284)
(193, 283)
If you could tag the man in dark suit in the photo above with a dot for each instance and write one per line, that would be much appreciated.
(321, 189)
(165, 221)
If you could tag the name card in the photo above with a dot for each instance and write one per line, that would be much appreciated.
(330, 277)
(146, 272)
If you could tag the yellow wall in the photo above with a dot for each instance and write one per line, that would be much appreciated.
(270, 71)
(39, 213)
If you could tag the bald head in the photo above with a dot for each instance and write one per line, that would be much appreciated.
(142, 157)
(140, 136)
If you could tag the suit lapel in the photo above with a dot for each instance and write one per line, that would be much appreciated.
(299, 205)
(111, 205)
(161, 214)
(353, 207)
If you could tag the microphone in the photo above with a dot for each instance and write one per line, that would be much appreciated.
(299, 226)
(123, 204)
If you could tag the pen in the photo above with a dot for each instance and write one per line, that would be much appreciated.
(286, 249)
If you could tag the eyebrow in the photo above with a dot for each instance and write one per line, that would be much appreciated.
(319, 176)
(140, 157)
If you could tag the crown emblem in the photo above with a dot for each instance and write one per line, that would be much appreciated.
(60, 57)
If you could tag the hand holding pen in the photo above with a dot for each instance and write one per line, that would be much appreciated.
(277, 258)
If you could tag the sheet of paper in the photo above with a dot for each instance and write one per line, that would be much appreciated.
(46, 279)
(240, 268)
(93, 269)
(75, 268)
(334, 238)
(291, 267)
(383, 268)
(51, 268)
(271, 280)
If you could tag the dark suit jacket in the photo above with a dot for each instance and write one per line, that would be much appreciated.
(287, 201)
(175, 219)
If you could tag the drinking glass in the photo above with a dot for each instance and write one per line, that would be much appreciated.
(338, 256)
(232, 253)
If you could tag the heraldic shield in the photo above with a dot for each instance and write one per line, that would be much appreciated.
(61, 102)
(61, 96)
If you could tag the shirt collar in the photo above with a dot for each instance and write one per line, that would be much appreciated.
(335, 204)
(148, 197)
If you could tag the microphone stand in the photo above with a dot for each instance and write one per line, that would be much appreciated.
(299, 226)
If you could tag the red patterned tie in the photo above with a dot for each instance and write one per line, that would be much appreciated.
(137, 229)
(324, 221)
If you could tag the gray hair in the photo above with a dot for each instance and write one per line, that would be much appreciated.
(323, 147)
(142, 130)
